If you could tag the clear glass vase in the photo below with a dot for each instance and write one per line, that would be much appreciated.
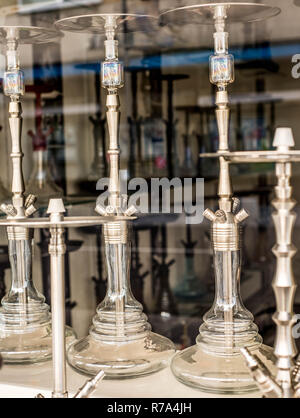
(215, 364)
(25, 320)
(120, 340)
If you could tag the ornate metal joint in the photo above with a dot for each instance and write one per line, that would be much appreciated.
(226, 231)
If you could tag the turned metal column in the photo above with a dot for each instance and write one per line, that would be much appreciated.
(286, 382)
(284, 285)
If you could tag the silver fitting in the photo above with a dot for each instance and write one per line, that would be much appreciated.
(30, 200)
(209, 214)
(220, 216)
(236, 204)
(226, 236)
(262, 376)
(9, 209)
(241, 216)
(19, 233)
(89, 387)
(130, 211)
(30, 210)
(100, 210)
(116, 232)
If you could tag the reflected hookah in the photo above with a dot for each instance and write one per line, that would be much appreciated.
(215, 363)
(98, 167)
(41, 182)
(25, 323)
(120, 341)
(190, 288)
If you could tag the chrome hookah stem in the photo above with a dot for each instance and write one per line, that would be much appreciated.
(284, 285)
(113, 231)
(120, 301)
(20, 208)
(113, 120)
(57, 250)
(228, 316)
(15, 123)
(225, 205)
(226, 229)
(225, 189)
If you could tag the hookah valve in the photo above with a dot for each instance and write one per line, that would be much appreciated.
(100, 210)
(30, 200)
(241, 216)
(9, 210)
(29, 207)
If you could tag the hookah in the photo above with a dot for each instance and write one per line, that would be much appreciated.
(165, 304)
(41, 182)
(170, 123)
(190, 288)
(214, 363)
(138, 276)
(135, 127)
(98, 167)
(25, 323)
(285, 383)
(56, 223)
(120, 341)
(188, 167)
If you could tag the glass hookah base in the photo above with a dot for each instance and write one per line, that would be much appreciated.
(32, 346)
(211, 373)
(121, 360)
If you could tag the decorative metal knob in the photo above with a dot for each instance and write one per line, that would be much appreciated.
(56, 206)
(283, 139)
(56, 209)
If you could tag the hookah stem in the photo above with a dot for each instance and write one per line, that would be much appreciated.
(40, 169)
(284, 285)
(225, 195)
(286, 384)
(228, 314)
(39, 136)
(57, 251)
(18, 188)
(225, 189)
(21, 269)
(113, 119)
(99, 129)
(120, 301)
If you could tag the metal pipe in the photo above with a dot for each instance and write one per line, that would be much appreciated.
(57, 250)
(88, 388)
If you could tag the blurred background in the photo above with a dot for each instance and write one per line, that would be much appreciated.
(167, 119)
